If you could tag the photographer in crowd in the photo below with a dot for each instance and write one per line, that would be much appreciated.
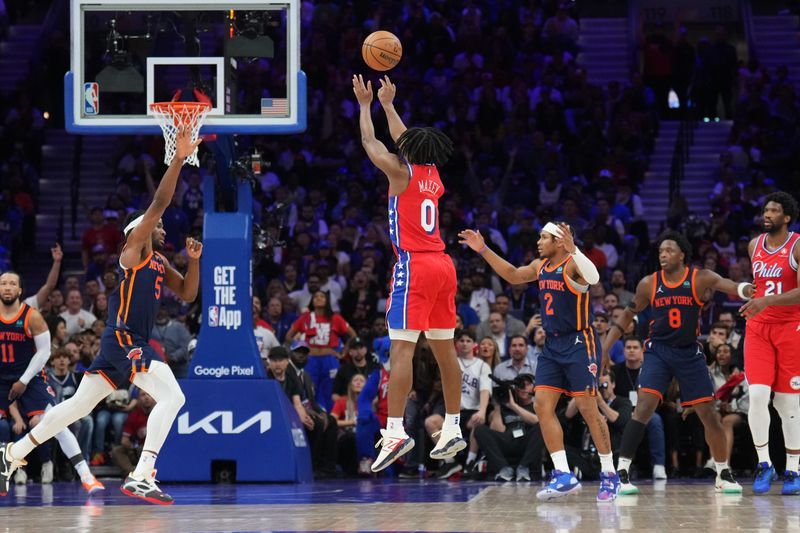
(520, 441)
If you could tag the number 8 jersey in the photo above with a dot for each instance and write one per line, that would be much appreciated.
(676, 310)
(775, 272)
(414, 214)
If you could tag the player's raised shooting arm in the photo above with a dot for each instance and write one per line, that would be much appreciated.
(163, 195)
(639, 302)
(381, 157)
(386, 97)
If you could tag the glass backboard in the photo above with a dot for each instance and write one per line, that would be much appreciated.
(243, 57)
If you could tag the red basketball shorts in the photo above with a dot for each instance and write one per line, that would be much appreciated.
(423, 292)
(771, 355)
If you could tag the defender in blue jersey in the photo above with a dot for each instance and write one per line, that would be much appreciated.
(24, 350)
(125, 354)
(568, 363)
(677, 294)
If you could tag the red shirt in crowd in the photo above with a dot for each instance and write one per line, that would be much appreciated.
(135, 427)
(339, 410)
(382, 410)
(321, 331)
(107, 235)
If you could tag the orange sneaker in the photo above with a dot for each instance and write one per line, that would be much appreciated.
(93, 485)
(98, 459)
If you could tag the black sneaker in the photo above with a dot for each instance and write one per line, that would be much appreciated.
(448, 469)
(146, 489)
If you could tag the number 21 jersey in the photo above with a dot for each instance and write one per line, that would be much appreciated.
(414, 214)
(775, 272)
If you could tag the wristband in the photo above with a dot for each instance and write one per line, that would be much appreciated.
(483, 250)
(740, 290)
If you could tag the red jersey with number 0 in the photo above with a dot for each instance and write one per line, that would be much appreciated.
(414, 214)
(775, 272)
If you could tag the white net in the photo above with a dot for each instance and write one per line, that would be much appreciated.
(172, 116)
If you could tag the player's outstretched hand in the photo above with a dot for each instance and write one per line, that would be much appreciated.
(194, 248)
(472, 238)
(752, 307)
(183, 143)
(387, 91)
(566, 238)
(363, 92)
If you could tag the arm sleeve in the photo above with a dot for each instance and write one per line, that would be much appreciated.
(586, 267)
(40, 358)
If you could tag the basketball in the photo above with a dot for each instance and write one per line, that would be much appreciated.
(381, 50)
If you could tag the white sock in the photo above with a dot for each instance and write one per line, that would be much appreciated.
(792, 461)
(624, 464)
(146, 465)
(607, 463)
(721, 466)
(560, 461)
(471, 456)
(452, 420)
(82, 468)
(763, 454)
(394, 425)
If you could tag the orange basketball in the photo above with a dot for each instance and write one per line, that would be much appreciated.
(381, 50)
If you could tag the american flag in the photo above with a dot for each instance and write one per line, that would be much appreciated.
(274, 106)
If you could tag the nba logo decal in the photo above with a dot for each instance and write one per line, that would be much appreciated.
(134, 354)
(91, 98)
(213, 316)
(794, 383)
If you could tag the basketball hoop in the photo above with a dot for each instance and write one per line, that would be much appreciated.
(172, 116)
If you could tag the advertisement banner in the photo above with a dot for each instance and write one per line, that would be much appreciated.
(249, 422)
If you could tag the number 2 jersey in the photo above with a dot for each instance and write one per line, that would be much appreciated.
(676, 310)
(775, 272)
(133, 307)
(414, 214)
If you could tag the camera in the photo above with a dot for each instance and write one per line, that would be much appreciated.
(504, 386)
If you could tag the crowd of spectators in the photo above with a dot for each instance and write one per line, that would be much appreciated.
(536, 141)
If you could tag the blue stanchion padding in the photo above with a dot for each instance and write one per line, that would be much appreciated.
(226, 346)
(249, 421)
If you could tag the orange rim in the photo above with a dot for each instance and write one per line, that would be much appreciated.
(180, 107)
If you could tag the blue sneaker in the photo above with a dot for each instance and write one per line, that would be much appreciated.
(791, 483)
(561, 484)
(609, 487)
(765, 473)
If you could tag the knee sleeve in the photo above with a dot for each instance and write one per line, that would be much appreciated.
(788, 406)
(758, 413)
(160, 383)
(408, 335)
(440, 334)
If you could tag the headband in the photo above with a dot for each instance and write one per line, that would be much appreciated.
(552, 229)
(135, 222)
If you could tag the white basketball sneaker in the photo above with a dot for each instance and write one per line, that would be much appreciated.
(392, 448)
(449, 444)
